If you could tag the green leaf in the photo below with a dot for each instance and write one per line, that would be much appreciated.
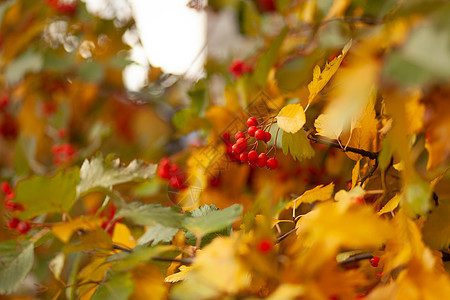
(205, 210)
(97, 173)
(297, 145)
(30, 61)
(269, 58)
(417, 196)
(119, 287)
(249, 19)
(91, 71)
(157, 234)
(151, 214)
(213, 221)
(199, 98)
(16, 261)
(47, 195)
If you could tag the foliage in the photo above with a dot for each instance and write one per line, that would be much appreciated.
(309, 162)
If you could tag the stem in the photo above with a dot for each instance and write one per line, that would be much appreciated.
(356, 258)
(313, 137)
(184, 261)
(117, 247)
(370, 173)
(282, 237)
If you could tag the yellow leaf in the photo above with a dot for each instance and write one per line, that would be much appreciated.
(414, 112)
(319, 193)
(355, 173)
(291, 118)
(94, 271)
(391, 205)
(184, 270)
(287, 291)
(325, 127)
(122, 236)
(320, 79)
(148, 283)
(337, 224)
(436, 229)
(350, 196)
(337, 9)
(64, 231)
(216, 271)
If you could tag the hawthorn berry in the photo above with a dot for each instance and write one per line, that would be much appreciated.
(260, 134)
(374, 261)
(252, 156)
(272, 163)
(267, 136)
(13, 206)
(265, 245)
(177, 182)
(13, 223)
(262, 159)
(252, 130)
(239, 135)
(252, 122)
(23, 227)
(6, 188)
(267, 5)
(241, 142)
(237, 149)
(215, 181)
(244, 157)
(237, 68)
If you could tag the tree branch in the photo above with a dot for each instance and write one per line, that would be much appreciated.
(316, 139)
(184, 261)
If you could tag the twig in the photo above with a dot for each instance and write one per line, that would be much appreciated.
(117, 247)
(365, 20)
(313, 137)
(370, 173)
(282, 237)
(184, 261)
(356, 258)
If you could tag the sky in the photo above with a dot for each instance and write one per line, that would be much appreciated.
(172, 34)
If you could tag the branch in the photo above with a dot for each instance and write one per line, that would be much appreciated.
(316, 139)
(283, 236)
(364, 20)
(184, 261)
(356, 258)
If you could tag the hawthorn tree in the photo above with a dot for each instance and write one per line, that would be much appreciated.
(310, 165)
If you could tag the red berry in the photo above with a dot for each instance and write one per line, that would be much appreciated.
(177, 182)
(163, 168)
(6, 188)
(262, 155)
(267, 5)
(173, 169)
(252, 122)
(251, 130)
(237, 68)
(267, 136)
(244, 157)
(265, 245)
(4, 100)
(23, 227)
(215, 181)
(241, 143)
(374, 261)
(239, 135)
(13, 223)
(261, 162)
(237, 149)
(260, 134)
(252, 155)
(62, 133)
(13, 206)
(272, 163)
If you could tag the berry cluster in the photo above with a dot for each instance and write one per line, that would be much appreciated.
(171, 172)
(63, 153)
(63, 6)
(252, 157)
(238, 67)
(22, 226)
(9, 129)
(10, 204)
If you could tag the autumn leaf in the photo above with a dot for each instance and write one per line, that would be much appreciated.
(64, 231)
(321, 78)
(122, 236)
(319, 193)
(297, 145)
(184, 270)
(436, 229)
(391, 205)
(291, 118)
